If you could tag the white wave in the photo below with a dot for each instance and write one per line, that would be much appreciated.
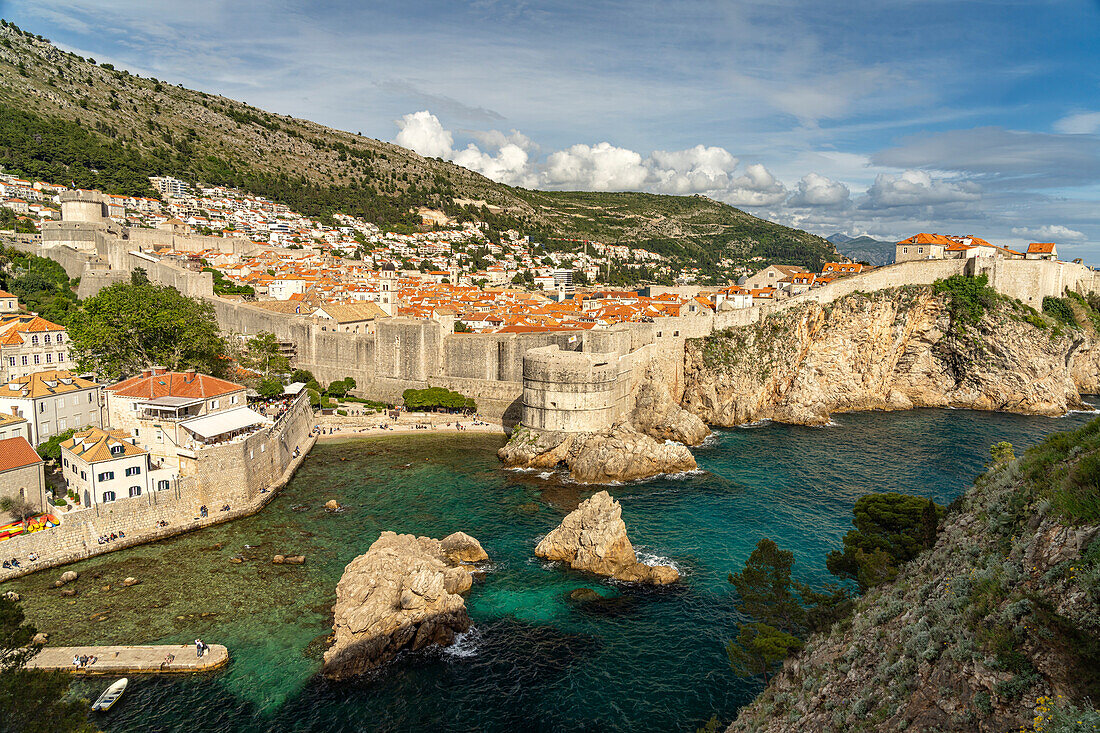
(652, 559)
(669, 441)
(831, 424)
(521, 469)
(1093, 410)
(710, 441)
(757, 424)
(465, 643)
(545, 475)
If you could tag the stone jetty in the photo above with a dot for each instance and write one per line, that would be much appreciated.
(118, 660)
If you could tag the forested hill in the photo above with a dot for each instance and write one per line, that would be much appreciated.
(64, 118)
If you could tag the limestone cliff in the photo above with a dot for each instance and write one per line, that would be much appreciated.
(993, 629)
(890, 350)
(403, 593)
(653, 440)
(593, 538)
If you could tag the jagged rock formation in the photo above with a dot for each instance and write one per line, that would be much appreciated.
(593, 538)
(652, 441)
(403, 593)
(1003, 611)
(890, 350)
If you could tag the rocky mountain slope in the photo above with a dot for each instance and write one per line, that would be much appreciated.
(864, 249)
(994, 629)
(890, 350)
(127, 127)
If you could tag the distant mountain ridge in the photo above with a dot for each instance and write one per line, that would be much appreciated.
(864, 248)
(63, 117)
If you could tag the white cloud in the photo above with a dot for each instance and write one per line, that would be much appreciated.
(1079, 123)
(1049, 233)
(696, 170)
(757, 187)
(601, 167)
(510, 165)
(497, 139)
(919, 188)
(817, 190)
(423, 133)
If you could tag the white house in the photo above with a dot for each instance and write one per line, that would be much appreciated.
(102, 466)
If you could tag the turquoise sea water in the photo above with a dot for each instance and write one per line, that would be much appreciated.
(639, 660)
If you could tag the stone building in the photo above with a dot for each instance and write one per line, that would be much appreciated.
(29, 343)
(53, 402)
(770, 276)
(163, 409)
(575, 391)
(102, 466)
(8, 302)
(22, 473)
(13, 426)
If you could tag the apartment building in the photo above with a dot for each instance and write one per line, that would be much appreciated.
(53, 402)
(102, 466)
(29, 343)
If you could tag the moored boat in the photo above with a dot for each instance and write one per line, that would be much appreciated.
(110, 696)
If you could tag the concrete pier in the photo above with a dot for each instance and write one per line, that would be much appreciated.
(119, 660)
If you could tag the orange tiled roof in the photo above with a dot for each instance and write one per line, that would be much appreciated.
(94, 445)
(1041, 248)
(173, 384)
(17, 453)
(44, 384)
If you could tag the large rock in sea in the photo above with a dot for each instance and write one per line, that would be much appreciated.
(593, 538)
(403, 593)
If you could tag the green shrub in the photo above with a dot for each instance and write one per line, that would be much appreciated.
(1060, 310)
(968, 298)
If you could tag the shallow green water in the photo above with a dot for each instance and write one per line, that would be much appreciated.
(642, 659)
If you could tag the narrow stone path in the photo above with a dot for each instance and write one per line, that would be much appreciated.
(116, 660)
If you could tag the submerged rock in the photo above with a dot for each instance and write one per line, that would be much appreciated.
(66, 577)
(593, 538)
(584, 595)
(332, 505)
(403, 593)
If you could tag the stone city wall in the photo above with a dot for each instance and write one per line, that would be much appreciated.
(574, 391)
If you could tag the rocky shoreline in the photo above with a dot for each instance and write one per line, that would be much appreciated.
(653, 440)
(891, 350)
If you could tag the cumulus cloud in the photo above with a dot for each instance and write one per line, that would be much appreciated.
(600, 167)
(918, 188)
(1049, 233)
(510, 165)
(423, 133)
(757, 187)
(696, 170)
(818, 190)
(1079, 123)
(497, 139)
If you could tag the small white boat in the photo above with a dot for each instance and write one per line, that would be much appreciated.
(110, 696)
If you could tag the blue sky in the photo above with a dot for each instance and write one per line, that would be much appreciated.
(881, 117)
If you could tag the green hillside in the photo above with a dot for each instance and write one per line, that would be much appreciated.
(65, 118)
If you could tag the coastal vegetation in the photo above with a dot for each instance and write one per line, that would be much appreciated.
(130, 325)
(438, 398)
(1002, 608)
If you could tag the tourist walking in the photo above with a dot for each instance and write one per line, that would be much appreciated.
(198, 647)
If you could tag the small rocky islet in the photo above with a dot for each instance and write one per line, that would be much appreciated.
(406, 592)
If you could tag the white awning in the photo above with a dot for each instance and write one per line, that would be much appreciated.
(294, 388)
(220, 423)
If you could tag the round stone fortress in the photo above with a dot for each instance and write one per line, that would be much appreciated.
(574, 391)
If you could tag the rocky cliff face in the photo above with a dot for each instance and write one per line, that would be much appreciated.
(403, 593)
(652, 441)
(891, 350)
(593, 538)
(993, 629)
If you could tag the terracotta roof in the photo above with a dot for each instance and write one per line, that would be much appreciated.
(93, 445)
(12, 326)
(8, 419)
(17, 453)
(45, 384)
(5, 294)
(1041, 248)
(173, 384)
